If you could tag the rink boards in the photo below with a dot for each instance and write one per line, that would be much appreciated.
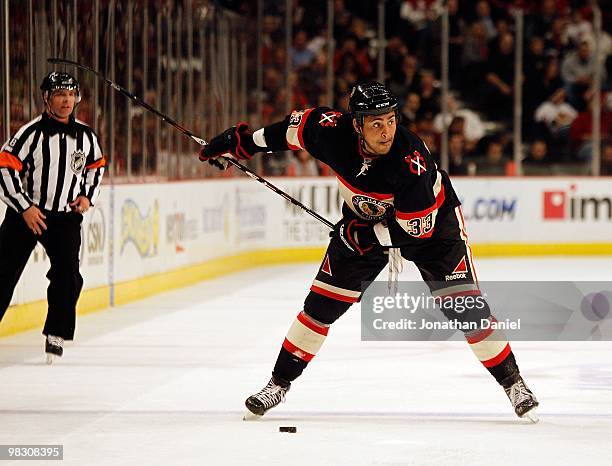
(143, 239)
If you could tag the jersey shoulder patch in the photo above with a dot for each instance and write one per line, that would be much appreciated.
(416, 163)
(329, 118)
(413, 157)
(295, 119)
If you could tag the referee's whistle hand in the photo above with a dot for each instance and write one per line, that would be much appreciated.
(35, 220)
(80, 205)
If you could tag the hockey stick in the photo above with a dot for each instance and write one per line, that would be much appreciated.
(186, 132)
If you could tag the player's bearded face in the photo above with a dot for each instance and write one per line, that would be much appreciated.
(378, 132)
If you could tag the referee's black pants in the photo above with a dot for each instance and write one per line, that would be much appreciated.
(62, 242)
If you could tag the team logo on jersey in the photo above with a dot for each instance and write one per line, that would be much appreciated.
(329, 119)
(460, 271)
(369, 208)
(77, 161)
(416, 163)
(296, 118)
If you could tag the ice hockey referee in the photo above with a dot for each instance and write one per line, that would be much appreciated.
(50, 174)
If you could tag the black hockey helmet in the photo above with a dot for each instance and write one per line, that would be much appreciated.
(371, 98)
(58, 80)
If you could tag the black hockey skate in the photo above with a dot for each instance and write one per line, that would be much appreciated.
(267, 398)
(54, 348)
(523, 400)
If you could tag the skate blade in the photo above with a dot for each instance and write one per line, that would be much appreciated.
(50, 358)
(249, 416)
(532, 416)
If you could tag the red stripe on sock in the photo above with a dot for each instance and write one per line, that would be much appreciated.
(336, 296)
(296, 351)
(308, 322)
(499, 358)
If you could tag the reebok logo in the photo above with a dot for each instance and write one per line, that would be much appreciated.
(326, 268)
(460, 271)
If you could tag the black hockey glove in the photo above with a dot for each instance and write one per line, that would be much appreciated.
(235, 142)
(356, 235)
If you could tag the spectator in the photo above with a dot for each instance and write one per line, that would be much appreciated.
(538, 153)
(359, 30)
(474, 58)
(502, 24)
(550, 80)
(409, 80)
(309, 17)
(494, 163)
(497, 92)
(275, 164)
(395, 54)
(430, 94)
(411, 110)
(473, 128)
(541, 22)
(556, 38)
(457, 165)
(579, 28)
(537, 162)
(301, 55)
(425, 125)
(535, 61)
(556, 113)
(351, 57)
(535, 68)
(343, 18)
(577, 69)
(420, 12)
(581, 130)
(420, 15)
(455, 40)
(457, 126)
(302, 165)
(483, 13)
(553, 119)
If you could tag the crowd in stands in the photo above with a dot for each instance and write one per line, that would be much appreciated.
(559, 63)
(558, 68)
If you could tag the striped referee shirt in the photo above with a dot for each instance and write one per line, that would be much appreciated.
(49, 163)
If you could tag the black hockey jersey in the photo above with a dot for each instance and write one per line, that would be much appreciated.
(403, 188)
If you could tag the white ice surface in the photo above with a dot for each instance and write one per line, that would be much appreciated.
(163, 381)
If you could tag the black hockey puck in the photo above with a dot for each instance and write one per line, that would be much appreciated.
(290, 429)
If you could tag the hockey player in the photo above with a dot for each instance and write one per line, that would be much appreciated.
(395, 199)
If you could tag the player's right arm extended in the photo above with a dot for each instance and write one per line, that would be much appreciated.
(292, 133)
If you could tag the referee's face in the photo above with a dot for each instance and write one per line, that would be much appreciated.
(61, 104)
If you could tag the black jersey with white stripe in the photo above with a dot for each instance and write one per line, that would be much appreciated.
(49, 163)
(403, 188)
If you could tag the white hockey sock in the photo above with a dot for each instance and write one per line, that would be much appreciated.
(305, 337)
